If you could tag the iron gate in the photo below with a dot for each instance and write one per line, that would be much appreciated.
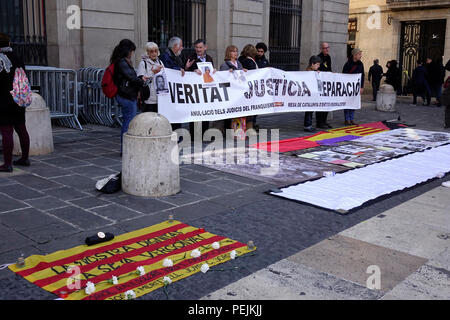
(285, 34)
(419, 40)
(183, 18)
(24, 21)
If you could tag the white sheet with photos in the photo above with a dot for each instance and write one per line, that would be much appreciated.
(354, 188)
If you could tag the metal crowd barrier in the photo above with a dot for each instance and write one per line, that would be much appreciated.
(95, 107)
(59, 89)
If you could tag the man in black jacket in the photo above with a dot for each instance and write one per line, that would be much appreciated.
(191, 65)
(261, 60)
(325, 66)
(375, 75)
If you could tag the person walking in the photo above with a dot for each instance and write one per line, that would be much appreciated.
(247, 59)
(313, 65)
(354, 66)
(375, 75)
(261, 60)
(149, 67)
(127, 81)
(12, 116)
(420, 84)
(325, 66)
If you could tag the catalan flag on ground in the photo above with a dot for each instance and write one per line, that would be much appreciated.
(67, 273)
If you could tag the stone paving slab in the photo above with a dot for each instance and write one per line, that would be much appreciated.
(287, 280)
(349, 259)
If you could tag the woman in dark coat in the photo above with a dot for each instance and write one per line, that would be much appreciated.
(354, 66)
(394, 75)
(12, 117)
(247, 59)
(127, 81)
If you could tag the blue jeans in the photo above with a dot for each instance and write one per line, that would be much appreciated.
(129, 111)
(349, 114)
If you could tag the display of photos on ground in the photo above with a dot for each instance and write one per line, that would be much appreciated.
(411, 139)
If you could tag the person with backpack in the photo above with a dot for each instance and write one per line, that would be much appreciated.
(149, 67)
(126, 80)
(354, 66)
(12, 116)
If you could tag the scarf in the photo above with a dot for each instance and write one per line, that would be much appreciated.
(5, 63)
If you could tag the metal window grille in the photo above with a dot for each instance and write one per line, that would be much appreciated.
(285, 34)
(183, 18)
(24, 21)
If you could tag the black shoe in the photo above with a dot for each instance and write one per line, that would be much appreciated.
(22, 163)
(8, 169)
(309, 130)
(329, 126)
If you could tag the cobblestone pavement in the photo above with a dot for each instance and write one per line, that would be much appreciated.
(53, 206)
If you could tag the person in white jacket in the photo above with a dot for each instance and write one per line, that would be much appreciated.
(149, 67)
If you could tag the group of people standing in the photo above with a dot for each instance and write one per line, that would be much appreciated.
(130, 82)
(322, 63)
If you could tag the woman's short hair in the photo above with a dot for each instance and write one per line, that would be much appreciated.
(152, 46)
(228, 52)
(249, 51)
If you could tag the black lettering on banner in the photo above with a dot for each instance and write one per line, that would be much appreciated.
(180, 93)
(260, 91)
(188, 91)
(225, 87)
(249, 94)
(349, 87)
(269, 84)
(338, 89)
(215, 95)
(290, 92)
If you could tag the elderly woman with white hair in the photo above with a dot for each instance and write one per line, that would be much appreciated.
(150, 66)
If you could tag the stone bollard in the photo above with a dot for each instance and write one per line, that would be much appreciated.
(39, 127)
(386, 98)
(150, 157)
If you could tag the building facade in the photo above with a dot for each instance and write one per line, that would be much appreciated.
(402, 30)
(79, 33)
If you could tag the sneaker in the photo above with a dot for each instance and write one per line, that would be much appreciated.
(22, 163)
(446, 184)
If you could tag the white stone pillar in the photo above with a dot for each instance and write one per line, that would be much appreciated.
(39, 127)
(150, 157)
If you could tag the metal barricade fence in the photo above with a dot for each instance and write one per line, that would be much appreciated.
(59, 89)
(95, 107)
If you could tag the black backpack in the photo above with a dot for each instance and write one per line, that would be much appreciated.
(110, 185)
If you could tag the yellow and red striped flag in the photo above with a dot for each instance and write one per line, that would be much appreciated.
(67, 273)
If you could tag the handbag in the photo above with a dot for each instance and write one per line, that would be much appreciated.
(145, 90)
(110, 185)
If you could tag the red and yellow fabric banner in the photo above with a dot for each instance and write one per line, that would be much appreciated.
(67, 273)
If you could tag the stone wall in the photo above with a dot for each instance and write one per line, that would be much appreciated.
(325, 21)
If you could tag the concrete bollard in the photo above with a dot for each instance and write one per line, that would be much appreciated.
(386, 99)
(39, 127)
(150, 157)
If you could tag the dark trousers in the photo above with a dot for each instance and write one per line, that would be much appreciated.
(308, 119)
(447, 117)
(8, 142)
(149, 108)
(424, 91)
(376, 88)
(321, 118)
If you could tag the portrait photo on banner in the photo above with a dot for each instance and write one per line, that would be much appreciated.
(207, 70)
(161, 84)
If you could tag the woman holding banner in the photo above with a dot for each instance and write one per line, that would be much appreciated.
(354, 66)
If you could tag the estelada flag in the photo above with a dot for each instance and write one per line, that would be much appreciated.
(67, 273)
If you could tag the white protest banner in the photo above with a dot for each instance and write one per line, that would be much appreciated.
(256, 92)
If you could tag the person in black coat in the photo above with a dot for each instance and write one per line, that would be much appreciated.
(325, 66)
(420, 84)
(394, 75)
(354, 66)
(375, 75)
(435, 78)
(127, 81)
(12, 117)
(247, 59)
(261, 60)
(191, 65)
